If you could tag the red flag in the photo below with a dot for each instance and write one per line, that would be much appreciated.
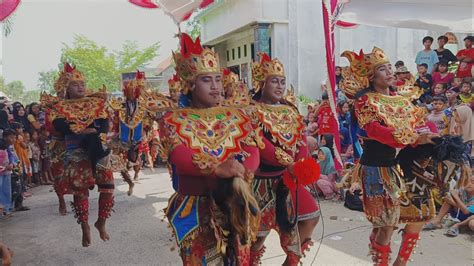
(7, 7)
(144, 3)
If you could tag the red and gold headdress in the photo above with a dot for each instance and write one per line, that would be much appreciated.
(68, 75)
(362, 66)
(175, 84)
(194, 60)
(266, 68)
(229, 78)
(132, 89)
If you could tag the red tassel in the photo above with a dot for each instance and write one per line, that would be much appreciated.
(306, 170)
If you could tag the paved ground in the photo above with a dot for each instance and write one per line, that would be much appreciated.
(139, 237)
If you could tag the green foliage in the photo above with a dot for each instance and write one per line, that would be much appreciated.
(46, 80)
(305, 100)
(193, 27)
(15, 91)
(103, 67)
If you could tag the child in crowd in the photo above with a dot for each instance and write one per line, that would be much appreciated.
(441, 75)
(459, 204)
(6, 168)
(21, 149)
(27, 140)
(36, 158)
(439, 89)
(456, 84)
(438, 116)
(466, 92)
(10, 137)
(424, 80)
(44, 141)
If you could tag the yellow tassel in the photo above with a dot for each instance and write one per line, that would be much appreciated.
(187, 209)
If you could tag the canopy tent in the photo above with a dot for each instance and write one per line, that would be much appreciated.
(435, 15)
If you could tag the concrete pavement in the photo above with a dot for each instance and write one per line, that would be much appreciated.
(139, 237)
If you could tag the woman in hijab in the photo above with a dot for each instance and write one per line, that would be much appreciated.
(464, 126)
(327, 182)
(19, 115)
(327, 140)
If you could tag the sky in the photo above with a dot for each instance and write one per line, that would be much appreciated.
(42, 26)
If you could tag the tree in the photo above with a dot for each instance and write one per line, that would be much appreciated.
(14, 90)
(47, 79)
(30, 96)
(103, 67)
(193, 27)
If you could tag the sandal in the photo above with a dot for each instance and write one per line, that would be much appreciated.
(22, 209)
(452, 231)
(432, 226)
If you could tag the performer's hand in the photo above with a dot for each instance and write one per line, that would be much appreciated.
(6, 254)
(88, 131)
(354, 186)
(426, 138)
(229, 169)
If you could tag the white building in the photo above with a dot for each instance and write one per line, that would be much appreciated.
(292, 31)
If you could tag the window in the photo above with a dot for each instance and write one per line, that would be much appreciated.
(270, 47)
(252, 51)
(245, 50)
(228, 56)
(238, 52)
(233, 53)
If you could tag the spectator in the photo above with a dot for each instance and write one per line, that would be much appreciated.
(36, 158)
(34, 114)
(427, 56)
(6, 175)
(338, 75)
(444, 55)
(19, 116)
(466, 59)
(403, 75)
(441, 75)
(21, 149)
(44, 141)
(466, 92)
(17, 180)
(4, 123)
(424, 80)
(439, 89)
(459, 204)
(463, 126)
(327, 181)
(399, 64)
(344, 118)
(456, 84)
(438, 116)
(325, 117)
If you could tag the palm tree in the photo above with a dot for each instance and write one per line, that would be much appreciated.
(7, 25)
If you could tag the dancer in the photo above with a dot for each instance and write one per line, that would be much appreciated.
(285, 145)
(57, 147)
(174, 87)
(388, 122)
(209, 148)
(131, 116)
(80, 119)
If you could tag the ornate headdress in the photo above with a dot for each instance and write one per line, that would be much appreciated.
(194, 60)
(229, 77)
(132, 89)
(362, 66)
(68, 75)
(266, 68)
(175, 84)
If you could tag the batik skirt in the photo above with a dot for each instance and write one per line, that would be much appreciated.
(202, 232)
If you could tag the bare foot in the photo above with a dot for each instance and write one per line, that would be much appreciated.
(135, 177)
(86, 235)
(130, 188)
(100, 225)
